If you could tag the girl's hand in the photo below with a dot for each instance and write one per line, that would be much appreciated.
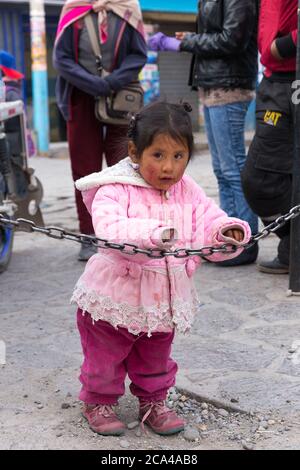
(236, 234)
(168, 235)
(164, 238)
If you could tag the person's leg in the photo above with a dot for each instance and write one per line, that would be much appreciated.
(150, 367)
(284, 249)
(103, 372)
(267, 175)
(115, 144)
(228, 125)
(86, 148)
(152, 372)
(225, 191)
(105, 351)
(225, 131)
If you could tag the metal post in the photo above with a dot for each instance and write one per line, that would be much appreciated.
(294, 283)
(39, 75)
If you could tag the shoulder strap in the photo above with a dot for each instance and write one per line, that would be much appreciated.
(93, 36)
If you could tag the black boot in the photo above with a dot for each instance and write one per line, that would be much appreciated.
(273, 267)
(280, 264)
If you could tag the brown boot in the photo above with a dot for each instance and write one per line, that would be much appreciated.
(160, 418)
(103, 420)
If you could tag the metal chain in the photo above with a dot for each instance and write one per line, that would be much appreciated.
(131, 249)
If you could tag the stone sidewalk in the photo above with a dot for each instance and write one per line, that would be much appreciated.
(243, 352)
(244, 349)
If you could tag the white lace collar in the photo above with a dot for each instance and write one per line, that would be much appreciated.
(123, 172)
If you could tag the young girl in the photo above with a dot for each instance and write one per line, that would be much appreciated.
(130, 306)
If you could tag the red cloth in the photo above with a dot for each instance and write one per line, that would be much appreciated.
(110, 354)
(87, 143)
(277, 18)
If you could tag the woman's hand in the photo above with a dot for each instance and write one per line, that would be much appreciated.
(180, 35)
(236, 234)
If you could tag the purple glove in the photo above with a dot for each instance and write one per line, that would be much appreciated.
(161, 42)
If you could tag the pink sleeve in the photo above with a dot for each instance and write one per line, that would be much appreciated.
(210, 223)
(111, 222)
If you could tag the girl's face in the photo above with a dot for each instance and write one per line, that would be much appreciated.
(163, 163)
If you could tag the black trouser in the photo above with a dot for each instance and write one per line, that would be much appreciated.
(267, 174)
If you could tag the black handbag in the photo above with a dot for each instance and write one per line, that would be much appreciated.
(118, 107)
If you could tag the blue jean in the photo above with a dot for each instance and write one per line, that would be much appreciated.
(225, 127)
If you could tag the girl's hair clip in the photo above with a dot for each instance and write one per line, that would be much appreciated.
(187, 107)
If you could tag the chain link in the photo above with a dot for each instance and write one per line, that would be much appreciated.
(131, 249)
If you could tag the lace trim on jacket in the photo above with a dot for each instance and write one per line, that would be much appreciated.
(137, 319)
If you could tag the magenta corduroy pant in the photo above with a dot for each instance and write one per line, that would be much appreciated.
(110, 354)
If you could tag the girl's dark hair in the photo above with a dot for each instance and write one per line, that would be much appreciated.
(161, 118)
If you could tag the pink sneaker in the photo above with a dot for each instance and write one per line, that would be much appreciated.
(102, 419)
(160, 418)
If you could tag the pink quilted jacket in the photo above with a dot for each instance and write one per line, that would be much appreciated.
(135, 291)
